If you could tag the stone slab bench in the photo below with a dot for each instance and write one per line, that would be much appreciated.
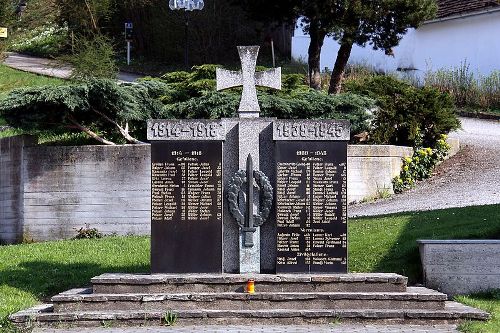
(461, 266)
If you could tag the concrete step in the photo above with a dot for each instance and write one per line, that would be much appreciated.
(43, 316)
(413, 298)
(181, 283)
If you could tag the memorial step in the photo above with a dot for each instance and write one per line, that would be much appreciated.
(413, 298)
(181, 283)
(43, 316)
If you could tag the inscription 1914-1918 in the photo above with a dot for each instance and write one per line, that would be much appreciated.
(186, 200)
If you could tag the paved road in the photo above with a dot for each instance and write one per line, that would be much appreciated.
(470, 178)
(51, 67)
(339, 328)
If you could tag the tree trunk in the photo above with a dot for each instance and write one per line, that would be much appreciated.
(314, 55)
(339, 68)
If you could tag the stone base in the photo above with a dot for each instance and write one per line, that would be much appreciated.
(202, 299)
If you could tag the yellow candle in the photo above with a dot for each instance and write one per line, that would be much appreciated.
(250, 286)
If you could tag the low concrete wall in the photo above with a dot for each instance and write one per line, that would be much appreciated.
(50, 192)
(454, 147)
(370, 169)
(461, 266)
(11, 187)
(66, 188)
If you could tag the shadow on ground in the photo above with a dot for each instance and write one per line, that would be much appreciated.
(393, 238)
(45, 279)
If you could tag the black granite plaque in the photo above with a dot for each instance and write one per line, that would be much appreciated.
(311, 206)
(186, 207)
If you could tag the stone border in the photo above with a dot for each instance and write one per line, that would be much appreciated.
(146, 279)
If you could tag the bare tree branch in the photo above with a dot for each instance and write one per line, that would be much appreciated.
(92, 18)
(123, 131)
(89, 132)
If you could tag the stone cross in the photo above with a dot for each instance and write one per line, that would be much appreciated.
(249, 79)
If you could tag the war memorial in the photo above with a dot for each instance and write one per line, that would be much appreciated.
(248, 224)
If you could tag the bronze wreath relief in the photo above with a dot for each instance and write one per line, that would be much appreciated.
(243, 183)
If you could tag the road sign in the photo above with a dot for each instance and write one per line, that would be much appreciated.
(3, 32)
(129, 31)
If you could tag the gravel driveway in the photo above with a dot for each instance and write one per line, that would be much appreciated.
(470, 178)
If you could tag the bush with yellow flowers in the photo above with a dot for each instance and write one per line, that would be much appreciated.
(420, 165)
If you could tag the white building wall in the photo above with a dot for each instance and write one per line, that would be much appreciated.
(444, 44)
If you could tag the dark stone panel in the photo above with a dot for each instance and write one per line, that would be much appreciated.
(186, 213)
(311, 206)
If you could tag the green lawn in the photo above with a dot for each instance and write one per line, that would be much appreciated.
(11, 79)
(489, 302)
(31, 273)
(391, 240)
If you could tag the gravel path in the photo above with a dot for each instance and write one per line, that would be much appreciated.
(49, 67)
(470, 178)
(340, 328)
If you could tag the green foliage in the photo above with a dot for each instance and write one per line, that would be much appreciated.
(96, 105)
(93, 57)
(193, 95)
(378, 23)
(43, 41)
(6, 15)
(487, 301)
(407, 115)
(420, 165)
(170, 318)
(88, 233)
(467, 89)
(7, 327)
(84, 17)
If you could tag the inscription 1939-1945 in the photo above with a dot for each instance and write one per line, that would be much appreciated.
(186, 200)
(311, 211)
(311, 196)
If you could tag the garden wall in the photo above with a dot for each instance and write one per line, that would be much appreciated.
(50, 192)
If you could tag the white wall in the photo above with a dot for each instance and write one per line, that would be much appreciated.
(433, 46)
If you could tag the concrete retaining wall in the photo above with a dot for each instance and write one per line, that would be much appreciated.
(371, 170)
(11, 187)
(66, 188)
(50, 192)
(461, 266)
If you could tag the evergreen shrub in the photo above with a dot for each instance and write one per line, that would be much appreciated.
(101, 106)
(192, 95)
(407, 115)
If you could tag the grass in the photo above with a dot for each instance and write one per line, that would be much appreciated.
(11, 79)
(489, 302)
(391, 240)
(32, 273)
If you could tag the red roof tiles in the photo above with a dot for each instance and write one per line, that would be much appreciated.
(463, 7)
